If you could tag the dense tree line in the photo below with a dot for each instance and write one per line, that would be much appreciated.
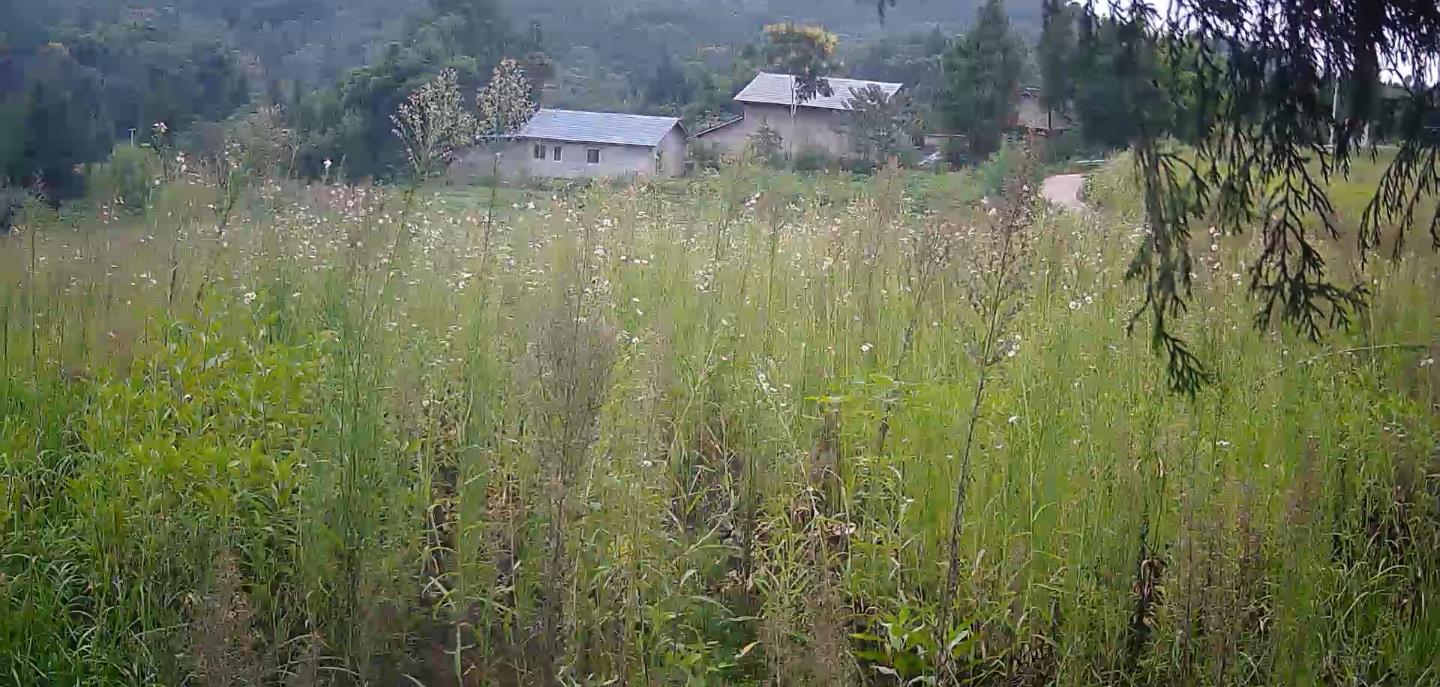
(68, 93)
(78, 77)
(349, 122)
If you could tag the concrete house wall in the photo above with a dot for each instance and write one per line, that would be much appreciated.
(673, 150)
(518, 160)
(811, 129)
(730, 138)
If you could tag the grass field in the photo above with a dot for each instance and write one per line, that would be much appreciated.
(706, 433)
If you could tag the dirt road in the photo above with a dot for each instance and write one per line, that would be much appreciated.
(1064, 190)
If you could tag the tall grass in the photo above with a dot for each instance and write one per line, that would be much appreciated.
(697, 434)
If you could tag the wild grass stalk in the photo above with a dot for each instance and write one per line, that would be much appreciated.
(633, 441)
(995, 295)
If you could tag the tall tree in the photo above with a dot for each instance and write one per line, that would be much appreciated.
(982, 79)
(56, 120)
(877, 124)
(1118, 79)
(432, 123)
(668, 87)
(1057, 55)
(350, 123)
(473, 27)
(807, 53)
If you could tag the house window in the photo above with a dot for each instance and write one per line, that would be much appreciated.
(539, 151)
(592, 156)
(556, 153)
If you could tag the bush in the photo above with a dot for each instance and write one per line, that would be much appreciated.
(1003, 164)
(859, 165)
(128, 179)
(956, 152)
(705, 157)
(1067, 145)
(11, 200)
(811, 160)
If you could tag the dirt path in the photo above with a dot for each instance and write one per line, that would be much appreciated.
(1064, 191)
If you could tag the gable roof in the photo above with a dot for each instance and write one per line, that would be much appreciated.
(718, 126)
(775, 89)
(576, 126)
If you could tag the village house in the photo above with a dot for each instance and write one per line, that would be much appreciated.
(1031, 115)
(817, 124)
(570, 144)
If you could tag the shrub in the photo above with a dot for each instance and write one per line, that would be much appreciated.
(1067, 145)
(767, 145)
(955, 152)
(1004, 163)
(858, 165)
(11, 200)
(128, 179)
(811, 160)
(705, 156)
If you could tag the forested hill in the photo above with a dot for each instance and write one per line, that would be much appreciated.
(78, 76)
(618, 25)
(307, 40)
(607, 52)
(314, 40)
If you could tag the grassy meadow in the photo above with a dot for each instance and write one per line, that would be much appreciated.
(708, 432)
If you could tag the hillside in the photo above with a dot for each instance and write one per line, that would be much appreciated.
(315, 40)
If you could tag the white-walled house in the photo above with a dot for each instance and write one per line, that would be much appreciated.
(572, 144)
(818, 123)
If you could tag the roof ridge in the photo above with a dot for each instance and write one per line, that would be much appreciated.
(834, 78)
(776, 89)
(589, 126)
(608, 114)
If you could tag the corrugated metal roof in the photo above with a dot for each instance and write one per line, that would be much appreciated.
(598, 127)
(775, 89)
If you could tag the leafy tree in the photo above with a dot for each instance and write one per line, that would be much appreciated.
(1118, 90)
(807, 53)
(669, 86)
(57, 122)
(504, 104)
(433, 122)
(472, 27)
(539, 70)
(127, 179)
(265, 142)
(155, 74)
(1057, 52)
(767, 144)
(982, 78)
(350, 123)
(877, 124)
(913, 60)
